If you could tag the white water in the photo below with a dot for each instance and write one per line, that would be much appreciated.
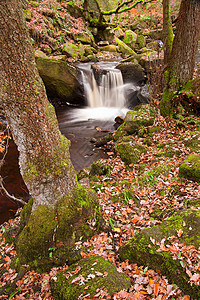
(106, 100)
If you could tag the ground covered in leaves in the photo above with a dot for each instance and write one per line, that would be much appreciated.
(132, 197)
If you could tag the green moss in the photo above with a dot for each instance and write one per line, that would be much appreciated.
(129, 150)
(25, 214)
(141, 250)
(165, 104)
(190, 168)
(76, 216)
(99, 168)
(95, 272)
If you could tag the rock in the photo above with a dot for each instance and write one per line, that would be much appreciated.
(83, 37)
(140, 41)
(60, 79)
(190, 168)
(143, 248)
(129, 150)
(123, 48)
(132, 73)
(142, 116)
(99, 168)
(130, 38)
(70, 50)
(41, 54)
(119, 120)
(109, 48)
(74, 10)
(103, 43)
(118, 32)
(92, 272)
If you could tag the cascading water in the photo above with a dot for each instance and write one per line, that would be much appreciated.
(107, 90)
(110, 91)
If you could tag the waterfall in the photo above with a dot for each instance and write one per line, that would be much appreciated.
(108, 91)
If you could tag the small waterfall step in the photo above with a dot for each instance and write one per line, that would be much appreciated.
(103, 85)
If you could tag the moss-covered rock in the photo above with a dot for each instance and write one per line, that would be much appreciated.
(92, 272)
(135, 119)
(190, 168)
(50, 235)
(60, 79)
(140, 41)
(27, 14)
(123, 48)
(99, 168)
(129, 150)
(71, 50)
(83, 37)
(141, 250)
(130, 38)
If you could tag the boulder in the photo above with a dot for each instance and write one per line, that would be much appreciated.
(123, 48)
(142, 116)
(60, 79)
(132, 73)
(151, 247)
(70, 50)
(87, 277)
(83, 37)
(190, 168)
(130, 38)
(129, 150)
(140, 41)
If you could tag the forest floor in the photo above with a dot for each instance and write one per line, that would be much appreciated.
(125, 219)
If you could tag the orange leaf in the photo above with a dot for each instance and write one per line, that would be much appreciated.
(156, 288)
(7, 258)
(143, 292)
(186, 297)
(151, 281)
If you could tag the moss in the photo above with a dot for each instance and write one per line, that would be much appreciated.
(130, 38)
(99, 168)
(95, 272)
(165, 104)
(25, 214)
(141, 250)
(129, 150)
(123, 48)
(76, 216)
(190, 168)
(140, 117)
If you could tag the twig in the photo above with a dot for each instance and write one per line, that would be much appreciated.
(10, 196)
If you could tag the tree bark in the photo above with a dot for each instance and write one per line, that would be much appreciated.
(43, 152)
(181, 61)
(167, 31)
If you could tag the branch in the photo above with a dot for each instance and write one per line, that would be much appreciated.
(10, 196)
(118, 11)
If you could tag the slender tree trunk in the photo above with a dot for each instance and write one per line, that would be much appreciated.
(181, 62)
(43, 152)
(167, 31)
(182, 59)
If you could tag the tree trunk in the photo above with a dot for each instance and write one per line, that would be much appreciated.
(63, 212)
(182, 58)
(43, 152)
(167, 31)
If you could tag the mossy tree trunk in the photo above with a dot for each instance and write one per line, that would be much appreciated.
(181, 61)
(167, 31)
(43, 152)
(62, 211)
